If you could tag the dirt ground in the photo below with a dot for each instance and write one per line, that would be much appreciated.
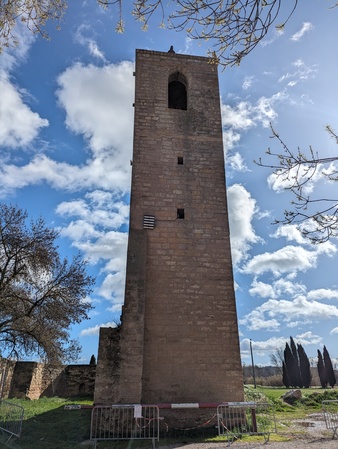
(304, 443)
(309, 433)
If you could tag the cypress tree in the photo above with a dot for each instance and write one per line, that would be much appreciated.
(285, 378)
(304, 366)
(331, 378)
(296, 365)
(291, 365)
(321, 370)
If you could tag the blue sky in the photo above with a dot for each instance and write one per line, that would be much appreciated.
(66, 124)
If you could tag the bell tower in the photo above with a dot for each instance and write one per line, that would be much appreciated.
(178, 341)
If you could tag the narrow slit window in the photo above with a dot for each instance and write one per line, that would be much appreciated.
(180, 160)
(180, 214)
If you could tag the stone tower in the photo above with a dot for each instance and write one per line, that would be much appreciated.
(178, 342)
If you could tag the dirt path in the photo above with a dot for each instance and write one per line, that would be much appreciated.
(315, 443)
(308, 433)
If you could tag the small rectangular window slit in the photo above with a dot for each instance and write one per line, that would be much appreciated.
(180, 214)
(180, 160)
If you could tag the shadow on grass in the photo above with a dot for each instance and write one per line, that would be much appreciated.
(53, 429)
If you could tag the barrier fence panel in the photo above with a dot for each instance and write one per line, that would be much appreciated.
(2, 382)
(330, 409)
(11, 417)
(125, 422)
(245, 418)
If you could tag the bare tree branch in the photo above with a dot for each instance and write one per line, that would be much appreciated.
(41, 296)
(233, 27)
(296, 171)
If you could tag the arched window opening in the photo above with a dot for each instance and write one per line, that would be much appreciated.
(177, 91)
(82, 389)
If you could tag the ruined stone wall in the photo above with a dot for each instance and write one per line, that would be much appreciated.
(108, 362)
(33, 380)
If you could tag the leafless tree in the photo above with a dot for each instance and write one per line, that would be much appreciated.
(277, 358)
(233, 27)
(41, 295)
(316, 216)
(33, 13)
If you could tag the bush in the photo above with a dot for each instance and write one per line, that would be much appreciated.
(316, 398)
(269, 381)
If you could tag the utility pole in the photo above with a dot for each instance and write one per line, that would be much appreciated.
(253, 365)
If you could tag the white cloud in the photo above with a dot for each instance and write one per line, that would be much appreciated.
(262, 289)
(242, 208)
(14, 55)
(272, 313)
(307, 338)
(277, 32)
(239, 116)
(81, 38)
(95, 51)
(288, 287)
(111, 245)
(291, 233)
(236, 162)
(112, 288)
(306, 27)
(248, 81)
(98, 244)
(95, 330)
(262, 347)
(323, 294)
(302, 72)
(19, 125)
(188, 44)
(245, 115)
(276, 289)
(98, 105)
(256, 321)
(97, 208)
(265, 347)
(230, 140)
(101, 172)
(288, 259)
(94, 230)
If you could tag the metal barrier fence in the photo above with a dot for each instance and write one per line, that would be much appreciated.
(11, 417)
(330, 410)
(125, 422)
(235, 419)
(2, 382)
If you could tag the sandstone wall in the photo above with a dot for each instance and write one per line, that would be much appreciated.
(33, 380)
(179, 338)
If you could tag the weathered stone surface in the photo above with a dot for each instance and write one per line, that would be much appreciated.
(290, 397)
(31, 380)
(179, 337)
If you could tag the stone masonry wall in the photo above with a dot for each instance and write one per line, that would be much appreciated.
(33, 380)
(179, 338)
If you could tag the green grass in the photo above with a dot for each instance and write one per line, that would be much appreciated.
(311, 402)
(311, 398)
(48, 425)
